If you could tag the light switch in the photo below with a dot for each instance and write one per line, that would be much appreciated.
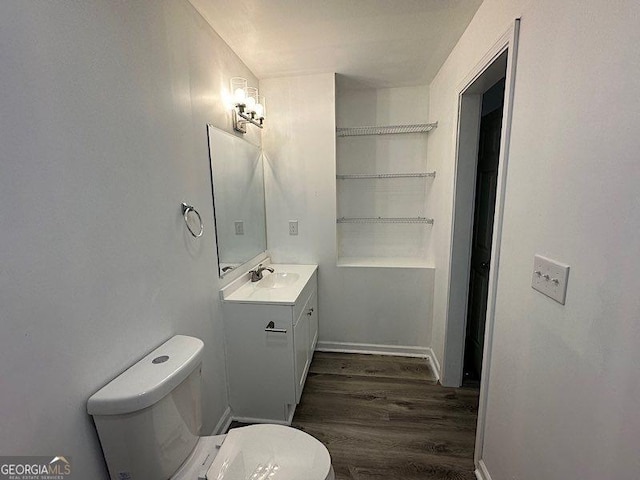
(550, 278)
(293, 227)
(239, 227)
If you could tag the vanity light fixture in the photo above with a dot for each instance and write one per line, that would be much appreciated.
(248, 106)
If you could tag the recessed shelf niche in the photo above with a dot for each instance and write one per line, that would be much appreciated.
(383, 180)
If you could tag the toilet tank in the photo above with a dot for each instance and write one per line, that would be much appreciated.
(149, 417)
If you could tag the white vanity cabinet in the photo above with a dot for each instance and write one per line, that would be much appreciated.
(269, 347)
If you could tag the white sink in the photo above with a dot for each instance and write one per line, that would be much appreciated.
(281, 287)
(277, 280)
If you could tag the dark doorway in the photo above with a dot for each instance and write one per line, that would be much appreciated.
(484, 208)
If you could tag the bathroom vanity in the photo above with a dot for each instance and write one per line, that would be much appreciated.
(271, 329)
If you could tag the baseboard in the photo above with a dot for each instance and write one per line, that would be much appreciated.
(374, 349)
(223, 423)
(435, 364)
(481, 471)
(261, 420)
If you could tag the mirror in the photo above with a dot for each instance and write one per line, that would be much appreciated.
(237, 182)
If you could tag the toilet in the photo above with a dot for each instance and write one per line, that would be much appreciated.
(148, 420)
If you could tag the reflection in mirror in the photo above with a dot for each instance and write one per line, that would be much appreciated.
(238, 199)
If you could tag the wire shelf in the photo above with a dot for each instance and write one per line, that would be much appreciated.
(387, 175)
(385, 130)
(428, 221)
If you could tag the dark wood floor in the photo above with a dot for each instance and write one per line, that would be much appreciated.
(387, 418)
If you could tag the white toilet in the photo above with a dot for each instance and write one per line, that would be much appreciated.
(148, 420)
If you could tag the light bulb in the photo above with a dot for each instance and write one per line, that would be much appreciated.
(238, 88)
(251, 103)
(261, 107)
(239, 95)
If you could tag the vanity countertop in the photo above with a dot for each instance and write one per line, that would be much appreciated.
(294, 279)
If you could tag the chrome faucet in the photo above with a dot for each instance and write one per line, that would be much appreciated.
(256, 275)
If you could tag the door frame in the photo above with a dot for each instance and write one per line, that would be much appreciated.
(466, 151)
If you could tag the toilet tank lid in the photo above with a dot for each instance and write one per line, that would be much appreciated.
(150, 379)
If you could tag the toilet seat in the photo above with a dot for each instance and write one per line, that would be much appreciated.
(258, 452)
(270, 452)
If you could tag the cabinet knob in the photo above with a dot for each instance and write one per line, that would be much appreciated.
(271, 328)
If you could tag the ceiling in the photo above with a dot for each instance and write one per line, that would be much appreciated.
(378, 43)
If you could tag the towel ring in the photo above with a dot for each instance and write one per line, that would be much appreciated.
(185, 211)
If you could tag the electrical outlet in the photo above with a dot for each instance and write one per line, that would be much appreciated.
(293, 227)
(239, 227)
(550, 278)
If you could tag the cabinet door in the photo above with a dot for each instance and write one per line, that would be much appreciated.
(312, 312)
(301, 342)
(260, 363)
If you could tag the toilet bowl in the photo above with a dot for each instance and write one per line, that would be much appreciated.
(149, 418)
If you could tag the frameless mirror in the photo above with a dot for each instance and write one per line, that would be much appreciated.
(237, 182)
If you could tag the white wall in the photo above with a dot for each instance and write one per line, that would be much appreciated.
(299, 149)
(564, 382)
(492, 19)
(380, 306)
(103, 133)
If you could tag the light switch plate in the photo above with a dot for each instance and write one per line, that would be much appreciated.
(239, 227)
(550, 278)
(293, 227)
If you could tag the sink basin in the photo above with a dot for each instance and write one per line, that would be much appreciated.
(280, 288)
(278, 280)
